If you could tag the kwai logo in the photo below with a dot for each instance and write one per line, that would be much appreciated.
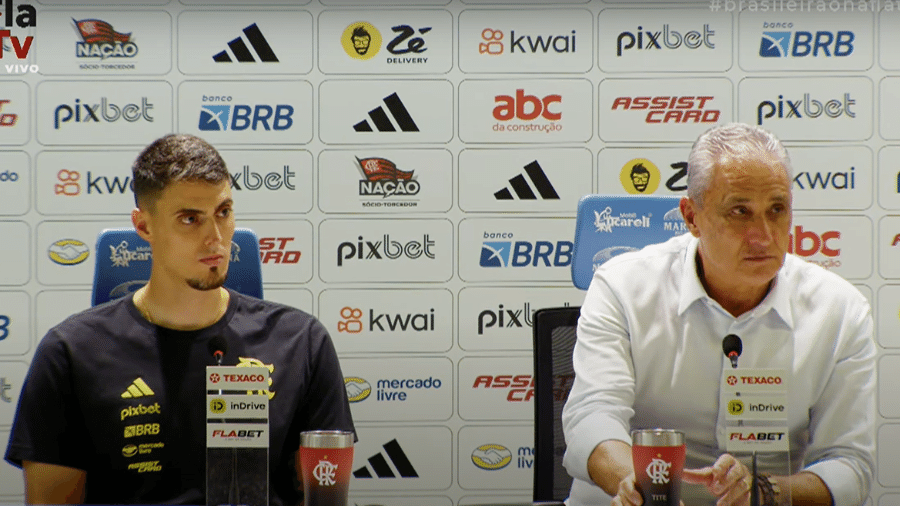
(801, 44)
(384, 322)
(100, 40)
(665, 38)
(671, 109)
(68, 184)
(494, 42)
(839, 180)
(805, 107)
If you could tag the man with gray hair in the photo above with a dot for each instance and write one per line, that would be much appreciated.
(649, 350)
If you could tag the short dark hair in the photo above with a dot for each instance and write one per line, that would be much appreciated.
(175, 157)
(360, 31)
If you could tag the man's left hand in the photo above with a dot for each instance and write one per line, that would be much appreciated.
(727, 479)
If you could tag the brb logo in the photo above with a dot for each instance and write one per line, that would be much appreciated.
(240, 117)
(25, 18)
(387, 248)
(108, 112)
(807, 107)
(801, 44)
(523, 253)
(688, 109)
(671, 39)
(493, 42)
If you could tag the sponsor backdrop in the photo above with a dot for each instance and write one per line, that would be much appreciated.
(413, 171)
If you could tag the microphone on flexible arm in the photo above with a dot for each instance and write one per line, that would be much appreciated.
(732, 348)
(218, 347)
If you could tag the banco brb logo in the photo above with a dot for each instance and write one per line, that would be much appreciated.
(658, 471)
(324, 472)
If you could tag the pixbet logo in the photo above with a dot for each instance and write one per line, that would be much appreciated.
(671, 39)
(523, 253)
(275, 180)
(382, 322)
(240, 117)
(275, 250)
(520, 387)
(666, 109)
(801, 44)
(139, 410)
(26, 18)
(7, 119)
(108, 112)
(806, 243)
(386, 248)
(806, 107)
(493, 43)
(505, 318)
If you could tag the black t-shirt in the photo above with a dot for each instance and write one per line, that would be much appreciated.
(125, 400)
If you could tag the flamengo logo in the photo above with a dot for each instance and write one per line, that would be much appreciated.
(100, 40)
(521, 387)
(526, 107)
(688, 109)
(810, 107)
(26, 18)
(382, 177)
(493, 43)
(671, 39)
(806, 244)
(109, 112)
(7, 119)
(390, 249)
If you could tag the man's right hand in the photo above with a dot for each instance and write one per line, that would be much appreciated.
(628, 494)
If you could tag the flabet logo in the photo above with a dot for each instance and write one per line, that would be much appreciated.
(604, 221)
(275, 250)
(665, 38)
(240, 117)
(687, 109)
(7, 119)
(520, 388)
(802, 44)
(383, 179)
(361, 40)
(807, 107)
(121, 256)
(100, 40)
(523, 253)
(384, 322)
(108, 112)
(527, 108)
(493, 42)
(491, 456)
(386, 248)
(24, 17)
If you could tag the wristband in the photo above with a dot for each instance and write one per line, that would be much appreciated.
(769, 490)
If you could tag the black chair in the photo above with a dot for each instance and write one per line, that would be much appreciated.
(554, 340)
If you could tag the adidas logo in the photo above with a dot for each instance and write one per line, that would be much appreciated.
(523, 191)
(242, 52)
(383, 122)
(137, 389)
(382, 469)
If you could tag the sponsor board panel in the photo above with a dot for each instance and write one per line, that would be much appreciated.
(503, 318)
(890, 102)
(271, 181)
(889, 37)
(15, 183)
(402, 458)
(496, 388)
(104, 42)
(65, 250)
(523, 180)
(889, 247)
(663, 110)
(406, 500)
(16, 259)
(888, 461)
(388, 321)
(299, 298)
(285, 249)
(828, 178)
(476, 500)
(102, 112)
(889, 177)
(15, 113)
(536, 110)
(809, 108)
(841, 244)
(245, 43)
(887, 316)
(525, 40)
(11, 483)
(385, 111)
(496, 457)
(411, 389)
(254, 3)
(385, 181)
(12, 376)
(802, 41)
(54, 306)
(15, 323)
(400, 250)
(889, 386)
(98, 2)
(237, 435)
(642, 171)
(510, 249)
(385, 42)
(247, 112)
(80, 182)
(665, 40)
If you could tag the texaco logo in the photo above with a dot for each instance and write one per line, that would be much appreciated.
(214, 378)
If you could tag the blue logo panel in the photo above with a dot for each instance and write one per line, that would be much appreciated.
(495, 254)
(775, 44)
(214, 117)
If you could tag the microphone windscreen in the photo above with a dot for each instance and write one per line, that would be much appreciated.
(732, 344)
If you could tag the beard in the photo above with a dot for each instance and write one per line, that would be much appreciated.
(214, 280)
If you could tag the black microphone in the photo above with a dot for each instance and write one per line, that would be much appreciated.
(218, 347)
(732, 347)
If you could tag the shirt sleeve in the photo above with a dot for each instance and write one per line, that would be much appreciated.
(842, 421)
(326, 405)
(46, 427)
(599, 405)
